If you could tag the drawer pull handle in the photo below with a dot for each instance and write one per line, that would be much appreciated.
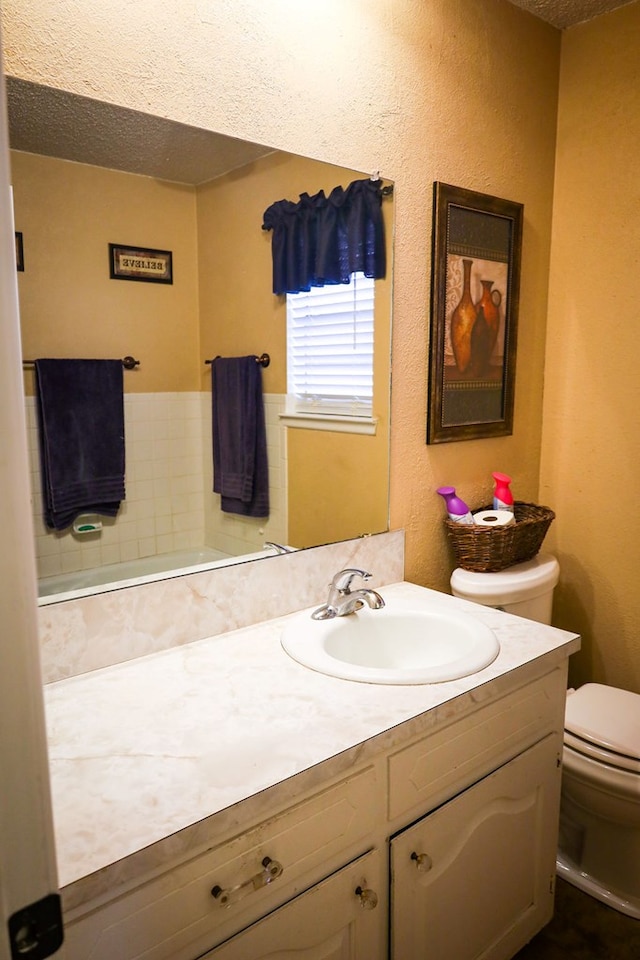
(423, 861)
(271, 870)
(368, 898)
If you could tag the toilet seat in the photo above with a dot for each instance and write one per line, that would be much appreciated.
(603, 723)
(593, 752)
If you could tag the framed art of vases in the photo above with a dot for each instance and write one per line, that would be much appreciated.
(477, 244)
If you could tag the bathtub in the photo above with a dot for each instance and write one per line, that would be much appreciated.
(128, 573)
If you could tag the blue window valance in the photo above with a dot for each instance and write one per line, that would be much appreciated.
(321, 240)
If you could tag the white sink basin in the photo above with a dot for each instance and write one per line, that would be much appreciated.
(393, 645)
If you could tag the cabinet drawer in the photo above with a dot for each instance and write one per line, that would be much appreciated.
(431, 770)
(328, 921)
(176, 916)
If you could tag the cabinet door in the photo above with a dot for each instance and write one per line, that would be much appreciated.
(342, 918)
(475, 878)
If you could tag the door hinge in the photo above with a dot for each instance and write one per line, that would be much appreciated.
(35, 932)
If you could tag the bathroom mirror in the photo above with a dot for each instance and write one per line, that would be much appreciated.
(86, 174)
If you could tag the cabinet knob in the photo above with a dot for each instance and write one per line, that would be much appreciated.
(368, 898)
(271, 870)
(423, 861)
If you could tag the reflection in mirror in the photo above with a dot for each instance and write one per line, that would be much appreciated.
(86, 174)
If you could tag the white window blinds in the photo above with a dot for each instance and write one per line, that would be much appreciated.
(330, 349)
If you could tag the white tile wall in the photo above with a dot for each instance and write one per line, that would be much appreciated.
(169, 500)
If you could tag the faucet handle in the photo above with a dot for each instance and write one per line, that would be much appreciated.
(343, 580)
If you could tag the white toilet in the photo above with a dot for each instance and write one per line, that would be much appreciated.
(525, 589)
(599, 847)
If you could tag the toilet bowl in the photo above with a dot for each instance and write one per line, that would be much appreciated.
(599, 846)
(599, 843)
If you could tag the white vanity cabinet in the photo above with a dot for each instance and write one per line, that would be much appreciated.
(460, 814)
(206, 900)
(475, 877)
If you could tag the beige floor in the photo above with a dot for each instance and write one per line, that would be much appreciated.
(585, 929)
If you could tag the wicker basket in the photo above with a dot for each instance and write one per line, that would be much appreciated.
(489, 549)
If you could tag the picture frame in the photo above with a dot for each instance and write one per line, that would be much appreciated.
(141, 264)
(19, 252)
(475, 286)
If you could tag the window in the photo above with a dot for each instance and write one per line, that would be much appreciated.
(330, 349)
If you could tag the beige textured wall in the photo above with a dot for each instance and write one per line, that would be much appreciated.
(457, 90)
(68, 214)
(591, 449)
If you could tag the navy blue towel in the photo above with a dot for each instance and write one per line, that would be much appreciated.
(81, 433)
(240, 468)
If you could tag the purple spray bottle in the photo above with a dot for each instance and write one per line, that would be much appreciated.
(456, 508)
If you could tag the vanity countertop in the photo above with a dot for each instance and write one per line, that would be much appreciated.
(152, 758)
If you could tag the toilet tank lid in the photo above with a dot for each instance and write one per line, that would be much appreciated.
(522, 581)
(606, 716)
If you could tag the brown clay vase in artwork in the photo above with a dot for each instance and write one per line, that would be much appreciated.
(481, 345)
(462, 321)
(490, 301)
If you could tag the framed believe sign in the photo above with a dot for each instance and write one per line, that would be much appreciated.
(140, 263)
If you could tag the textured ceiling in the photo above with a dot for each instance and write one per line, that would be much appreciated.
(59, 124)
(567, 13)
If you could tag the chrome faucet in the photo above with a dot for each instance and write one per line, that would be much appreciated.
(278, 547)
(343, 600)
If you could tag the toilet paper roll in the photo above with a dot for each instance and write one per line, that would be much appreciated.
(494, 518)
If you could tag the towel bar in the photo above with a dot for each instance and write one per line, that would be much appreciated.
(264, 359)
(128, 363)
